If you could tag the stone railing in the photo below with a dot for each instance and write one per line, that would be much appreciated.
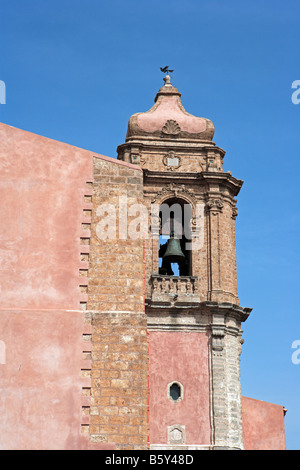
(174, 288)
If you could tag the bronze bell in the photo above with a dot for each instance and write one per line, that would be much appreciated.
(173, 252)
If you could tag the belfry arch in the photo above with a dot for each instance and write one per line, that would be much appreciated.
(175, 224)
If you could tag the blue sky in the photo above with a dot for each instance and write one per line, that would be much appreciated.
(75, 71)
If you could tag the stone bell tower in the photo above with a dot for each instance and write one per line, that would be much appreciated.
(191, 300)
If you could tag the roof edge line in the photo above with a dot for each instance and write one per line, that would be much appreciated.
(118, 162)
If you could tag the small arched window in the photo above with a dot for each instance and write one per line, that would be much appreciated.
(175, 391)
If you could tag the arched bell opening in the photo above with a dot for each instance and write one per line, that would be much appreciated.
(175, 238)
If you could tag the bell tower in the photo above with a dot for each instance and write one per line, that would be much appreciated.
(193, 312)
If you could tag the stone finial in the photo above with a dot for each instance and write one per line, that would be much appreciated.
(167, 80)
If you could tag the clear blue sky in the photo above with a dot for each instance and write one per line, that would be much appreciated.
(75, 70)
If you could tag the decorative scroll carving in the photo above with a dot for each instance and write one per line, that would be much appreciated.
(217, 341)
(171, 161)
(214, 205)
(171, 127)
(174, 189)
(234, 212)
(142, 160)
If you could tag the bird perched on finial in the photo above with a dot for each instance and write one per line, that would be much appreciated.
(166, 69)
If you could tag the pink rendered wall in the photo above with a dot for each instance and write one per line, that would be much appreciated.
(263, 425)
(42, 188)
(179, 356)
(40, 398)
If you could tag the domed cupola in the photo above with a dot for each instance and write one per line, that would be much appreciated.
(168, 119)
(169, 139)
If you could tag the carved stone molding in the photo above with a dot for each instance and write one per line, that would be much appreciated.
(171, 161)
(171, 128)
(234, 212)
(217, 341)
(154, 224)
(142, 160)
(180, 398)
(212, 164)
(173, 189)
(135, 156)
(176, 434)
(174, 285)
(214, 205)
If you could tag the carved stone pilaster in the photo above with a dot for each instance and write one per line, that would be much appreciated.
(214, 208)
(154, 224)
(225, 375)
(135, 155)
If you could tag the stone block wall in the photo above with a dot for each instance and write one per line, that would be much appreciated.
(119, 375)
(119, 394)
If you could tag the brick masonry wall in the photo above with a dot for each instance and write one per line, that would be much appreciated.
(119, 395)
(222, 275)
(119, 375)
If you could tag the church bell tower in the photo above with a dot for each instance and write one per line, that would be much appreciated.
(193, 312)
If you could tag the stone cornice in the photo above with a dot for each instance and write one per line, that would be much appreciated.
(184, 145)
(226, 179)
(221, 309)
(222, 178)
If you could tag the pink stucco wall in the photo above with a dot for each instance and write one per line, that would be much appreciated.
(179, 356)
(42, 189)
(42, 186)
(40, 399)
(263, 425)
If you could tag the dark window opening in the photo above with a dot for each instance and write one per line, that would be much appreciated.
(175, 391)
